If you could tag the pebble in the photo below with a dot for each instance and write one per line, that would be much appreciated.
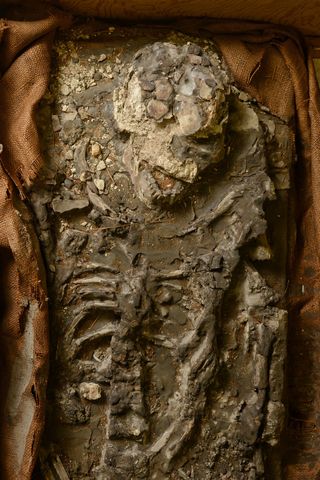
(194, 49)
(67, 205)
(195, 59)
(68, 183)
(206, 61)
(102, 57)
(147, 85)
(244, 97)
(177, 76)
(65, 90)
(205, 91)
(56, 125)
(74, 83)
(157, 109)
(95, 150)
(68, 117)
(97, 76)
(99, 183)
(165, 296)
(163, 89)
(74, 58)
(211, 82)
(84, 176)
(90, 391)
(69, 155)
(101, 165)
(164, 311)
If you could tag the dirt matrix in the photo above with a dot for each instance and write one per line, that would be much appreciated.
(162, 214)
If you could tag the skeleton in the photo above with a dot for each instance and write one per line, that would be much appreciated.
(142, 291)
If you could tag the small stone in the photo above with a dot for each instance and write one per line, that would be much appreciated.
(244, 97)
(99, 183)
(195, 59)
(189, 118)
(80, 157)
(205, 91)
(73, 242)
(165, 296)
(84, 176)
(211, 82)
(74, 83)
(56, 125)
(95, 150)
(71, 130)
(68, 183)
(102, 57)
(147, 85)
(69, 155)
(97, 76)
(163, 89)
(90, 391)
(65, 90)
(66, 205)
(194, 49)
(101, 166)
(206, 61)
(75, 58)
(95, 216)
(177, 76)
(164, 311)
(157, 109)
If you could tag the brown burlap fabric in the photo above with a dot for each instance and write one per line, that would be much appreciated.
(24, 64)
(268, 62)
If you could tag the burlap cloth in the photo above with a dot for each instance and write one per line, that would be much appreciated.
(271, 63)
